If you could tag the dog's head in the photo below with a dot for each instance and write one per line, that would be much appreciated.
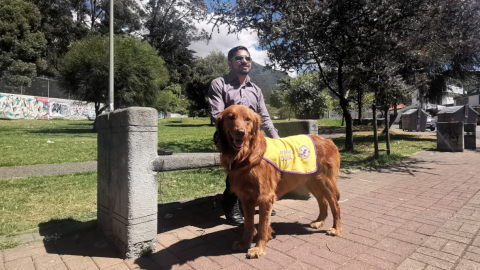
(238, 128)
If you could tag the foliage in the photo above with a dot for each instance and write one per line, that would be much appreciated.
(61, 29)
(170, 27)
(339, 38)
(306, 97)
(22, 44)
(206, 69)
(166, 102)
(139, 72)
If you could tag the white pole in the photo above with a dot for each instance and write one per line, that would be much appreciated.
(111, 71)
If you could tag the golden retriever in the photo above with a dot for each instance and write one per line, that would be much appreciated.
(258, 183)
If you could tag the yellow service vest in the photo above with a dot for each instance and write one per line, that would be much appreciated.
(295, 154)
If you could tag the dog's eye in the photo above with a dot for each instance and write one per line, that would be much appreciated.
(231, 117)
(248, 119)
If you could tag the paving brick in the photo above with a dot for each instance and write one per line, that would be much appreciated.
(375, 261)
(120, 266)
(467, 265)
(395, 246)
(46, 261)
(385, 255)
(166, 259)
(427, 229)
(352, 250)
(104, 262)
(442, 264)
(300, 265)
(288, 245)
(360, 239)
(83, 263)
(472, 257)
(201, 263)
(24, 263)
(474, 249)
(357, 265)
(330, 255)
(448, 236)
(408, 236)
(455, 248)
(438, 254)
(435, 243)
(279, 257)
(142, 263)
(9, 256)
(409, 264)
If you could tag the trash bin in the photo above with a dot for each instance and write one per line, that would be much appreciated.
(458, 114)
(410, 120)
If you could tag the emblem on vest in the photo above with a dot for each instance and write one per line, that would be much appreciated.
(304, 152)
(286, 155)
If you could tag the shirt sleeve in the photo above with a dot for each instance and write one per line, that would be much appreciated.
(267, 124)
(215, 98)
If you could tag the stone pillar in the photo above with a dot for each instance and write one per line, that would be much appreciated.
(470, 136)
(127, 185)
(450, 136)
(292, 128)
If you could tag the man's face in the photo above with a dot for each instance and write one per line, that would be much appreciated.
(240, 67)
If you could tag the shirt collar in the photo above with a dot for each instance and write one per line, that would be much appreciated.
(232, 76)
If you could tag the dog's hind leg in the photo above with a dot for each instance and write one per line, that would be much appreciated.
(322, 205)
(249, 226)
(332, 194)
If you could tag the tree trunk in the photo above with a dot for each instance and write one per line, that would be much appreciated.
(343, 119)
(360, 105)
(344, 104)
(392, 119)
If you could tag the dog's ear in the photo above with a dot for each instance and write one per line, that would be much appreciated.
(219, 121)
(257, 122)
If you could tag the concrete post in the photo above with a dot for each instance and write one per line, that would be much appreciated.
(291, 128)
(127, 185)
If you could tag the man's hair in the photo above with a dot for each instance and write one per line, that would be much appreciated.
(234, 51)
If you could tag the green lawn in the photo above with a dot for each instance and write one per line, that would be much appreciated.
(27, 203)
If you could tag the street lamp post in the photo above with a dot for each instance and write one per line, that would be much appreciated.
(111, 69)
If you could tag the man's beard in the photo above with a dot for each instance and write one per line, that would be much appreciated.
(242, 71)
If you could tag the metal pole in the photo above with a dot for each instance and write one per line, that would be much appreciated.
(111, 71)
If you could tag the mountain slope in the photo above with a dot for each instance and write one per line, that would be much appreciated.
(265, 78)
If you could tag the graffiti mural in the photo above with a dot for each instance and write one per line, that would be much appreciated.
(22, 107)
(30, 107)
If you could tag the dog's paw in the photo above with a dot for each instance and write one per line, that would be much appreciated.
(255, 253)
(316, 224)
(334, 232)
(240, 245)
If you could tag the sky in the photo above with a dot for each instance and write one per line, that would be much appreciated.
(223, 43)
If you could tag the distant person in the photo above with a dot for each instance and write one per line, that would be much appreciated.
(236, 88)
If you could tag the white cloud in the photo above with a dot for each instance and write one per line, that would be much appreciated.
(223, 43)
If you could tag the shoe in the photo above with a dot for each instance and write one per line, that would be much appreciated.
(233, 214)
(273, 213)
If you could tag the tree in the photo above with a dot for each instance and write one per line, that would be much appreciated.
(166, 102)
(334, 37)
(206, 69)
(60, 29)
(139, 72)
(22, 44)
(306, 97)
(170, 27)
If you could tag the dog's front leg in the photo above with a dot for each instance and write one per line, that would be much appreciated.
(249, 226)
(264, 229)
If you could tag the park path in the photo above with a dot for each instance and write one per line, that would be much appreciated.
(423, 213)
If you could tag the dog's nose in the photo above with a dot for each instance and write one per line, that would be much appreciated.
(240, 132)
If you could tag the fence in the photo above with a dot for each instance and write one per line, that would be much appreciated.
(127, 174)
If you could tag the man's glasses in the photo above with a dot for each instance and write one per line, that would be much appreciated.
(239, 58)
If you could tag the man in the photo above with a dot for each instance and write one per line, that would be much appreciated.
(236, 88)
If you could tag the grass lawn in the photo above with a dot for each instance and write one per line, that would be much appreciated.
(29, 142)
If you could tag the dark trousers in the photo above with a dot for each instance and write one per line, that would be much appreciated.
(229, 198)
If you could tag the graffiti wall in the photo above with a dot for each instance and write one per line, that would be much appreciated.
(31, 107)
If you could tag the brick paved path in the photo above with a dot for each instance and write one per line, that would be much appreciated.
(422, 214)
